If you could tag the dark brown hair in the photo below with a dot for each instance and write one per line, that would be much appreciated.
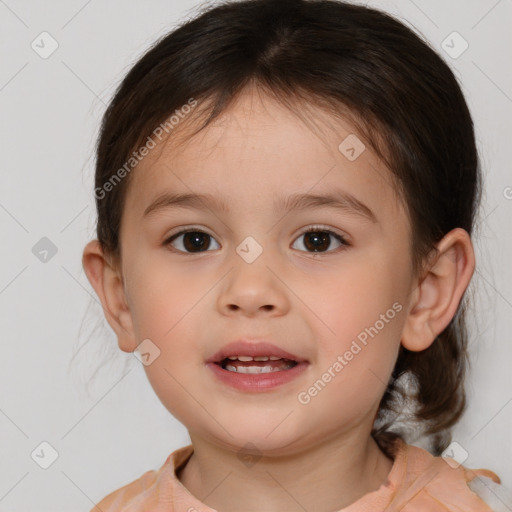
(353, 61)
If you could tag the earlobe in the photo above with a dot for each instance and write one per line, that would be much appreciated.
(439, 292)
(108, 285)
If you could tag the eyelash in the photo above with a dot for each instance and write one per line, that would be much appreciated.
(313, 229)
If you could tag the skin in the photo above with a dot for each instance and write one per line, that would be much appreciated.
(317, 456)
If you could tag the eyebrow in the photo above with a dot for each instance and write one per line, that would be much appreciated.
(339, 199)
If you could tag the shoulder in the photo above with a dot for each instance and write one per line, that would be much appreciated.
(441, 483)
(126, 494)
(155, 489)
(497, 496)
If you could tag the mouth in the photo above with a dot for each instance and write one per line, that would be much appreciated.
(254, 358)
(255, 365)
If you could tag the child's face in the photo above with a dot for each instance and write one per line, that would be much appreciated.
(312, 304)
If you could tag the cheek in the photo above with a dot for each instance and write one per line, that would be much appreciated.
(165, 297)
(166, 309)
(362, 315)
(354, 364)
(355, 300)
(170, 321)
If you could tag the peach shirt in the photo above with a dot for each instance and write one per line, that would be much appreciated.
(417, 482)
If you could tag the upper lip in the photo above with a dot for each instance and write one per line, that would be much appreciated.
(252, 349)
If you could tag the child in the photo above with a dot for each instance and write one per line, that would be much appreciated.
(285, 193)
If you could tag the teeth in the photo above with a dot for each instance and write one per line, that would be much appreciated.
(254, 369)
(257, 358)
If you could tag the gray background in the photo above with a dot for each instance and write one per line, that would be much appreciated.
(108, 427)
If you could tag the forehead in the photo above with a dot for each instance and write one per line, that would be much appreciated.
(258, 150)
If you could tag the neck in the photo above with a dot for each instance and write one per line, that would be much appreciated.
(329, 476)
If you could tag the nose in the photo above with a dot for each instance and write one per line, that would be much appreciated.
(252, 289)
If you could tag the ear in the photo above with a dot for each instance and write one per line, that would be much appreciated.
(105, 278)
(438, 293)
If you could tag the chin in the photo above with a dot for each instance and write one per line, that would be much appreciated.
(260, 440)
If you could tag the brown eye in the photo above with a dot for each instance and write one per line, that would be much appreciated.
(320, 240)
(191, 241)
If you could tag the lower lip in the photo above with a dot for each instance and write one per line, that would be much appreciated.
(257, 381)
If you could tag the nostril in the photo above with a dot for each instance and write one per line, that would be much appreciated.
(267, 307)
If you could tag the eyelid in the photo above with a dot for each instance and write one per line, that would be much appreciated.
(312, 227)
(321, 227)
(167, 243)
(180, 230)
(342, 238)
